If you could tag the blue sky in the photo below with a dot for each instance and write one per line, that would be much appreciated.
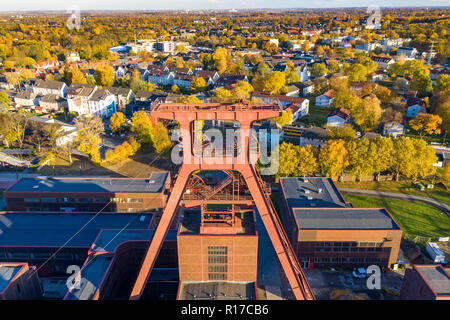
(21, 5)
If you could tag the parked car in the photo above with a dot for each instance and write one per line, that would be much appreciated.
(359, 273)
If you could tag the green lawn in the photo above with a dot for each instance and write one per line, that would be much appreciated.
(316, 116)
(438, 193)
(274, 198)
(415, 219)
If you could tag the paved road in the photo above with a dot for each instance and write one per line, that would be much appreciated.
(394, 195)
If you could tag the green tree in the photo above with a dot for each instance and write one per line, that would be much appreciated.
(318, 70)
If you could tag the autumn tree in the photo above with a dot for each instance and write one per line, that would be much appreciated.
(104, 75)
(284, 119)
(198, 84)
(443, 82)
(116, 121)
(242, 90)
(296, 161)
(142, 126)
(361, 157)
(318, 70)
(273, 83)
(426, 123)
(345, 132)
(88, 136)
(5, 102)
(73, 75)
(332, 158)
(383, 155)
(368, 113)
(161, 139)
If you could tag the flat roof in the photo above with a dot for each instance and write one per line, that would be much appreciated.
(154, 184)
(7, 273)
(26, 229)
(217, 290)
(344, 219)
(109, 240)
(436, 277)
(311, 191)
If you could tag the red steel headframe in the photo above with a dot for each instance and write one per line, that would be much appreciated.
(245, 113)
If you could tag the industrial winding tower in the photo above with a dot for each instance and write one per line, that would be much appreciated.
(237, 169)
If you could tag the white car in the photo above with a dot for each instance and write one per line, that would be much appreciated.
(359, 273)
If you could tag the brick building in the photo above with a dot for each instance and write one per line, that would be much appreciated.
(326, 231)
(18, 281)
(217, 260)
(426, 282)
(88, 194)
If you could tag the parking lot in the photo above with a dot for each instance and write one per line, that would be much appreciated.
(341, 285)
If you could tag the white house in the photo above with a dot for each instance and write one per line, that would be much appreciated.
(102, 103)
(393, 129)
(338, 117)
(326, 99)
(26, 98)
(43, 87)
(182, 80)
(298, 110)
(382, 62)
(78, 96)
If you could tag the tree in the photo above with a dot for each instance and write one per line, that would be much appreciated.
(441, 106)
(142, 126)
(88, 136)
(357, 73)
(104, 75)
(189, 99)
(384, 155)
(242, 90)
(332, 158)
(421, 80)
(291, 74)
(361, 157)
(345, 132)
(446, 175)
(344, 98)
(296, 161)
(368, 113)
(443, 82)
(273, 83)
(5, 102)
(413, 158)
(161, 139)
(425, 122)
(318, 70)
(181, 48)
(284, 119)
(198, 83)
(333, 66)
(73, 75)
(117, 120)
(28, 62)
(367, 62)
(223, 94)
(8, 65)
(287, 160)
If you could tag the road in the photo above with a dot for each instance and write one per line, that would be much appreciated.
(401, 196)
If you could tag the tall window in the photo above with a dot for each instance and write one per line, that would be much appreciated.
(217, 263)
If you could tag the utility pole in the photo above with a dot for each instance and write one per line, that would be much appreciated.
(431, 51)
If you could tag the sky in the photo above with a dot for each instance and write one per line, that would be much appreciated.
(28, 5)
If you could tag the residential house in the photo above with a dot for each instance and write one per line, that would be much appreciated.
(78, 96)
(393, 128)
(67, 132)
(382, 62)
(281, 99)
(408, 53)
(43, 87)
(298, 110)
(26, 98)
(210, 77)
(160, 75)
(182, 80)
(305, 88)
(313, 136)
(123, 96)
(293, 91)
(227, 79)
(102, 103)
(338, 117)
(52, 102)
(415, 106)
(72, 57)
(326, 99)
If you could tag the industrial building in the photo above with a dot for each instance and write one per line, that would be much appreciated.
(327, 232)
(426, 282)
(88, 194)
(18, 281)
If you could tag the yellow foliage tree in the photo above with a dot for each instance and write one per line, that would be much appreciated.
(426, 123)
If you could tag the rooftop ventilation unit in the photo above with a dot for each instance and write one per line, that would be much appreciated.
(35, 186)
(306, 191)
(320, 190)
(310, 198)
(142, 219)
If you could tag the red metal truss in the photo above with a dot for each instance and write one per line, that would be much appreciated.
(244, 113)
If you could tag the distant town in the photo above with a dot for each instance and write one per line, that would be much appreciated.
(351, 106)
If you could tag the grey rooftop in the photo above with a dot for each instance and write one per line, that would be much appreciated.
(7, 273)
(344, 219)
(309, 192)
(437, 278)
(26, 229)
(217, 290)
(154, 184)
